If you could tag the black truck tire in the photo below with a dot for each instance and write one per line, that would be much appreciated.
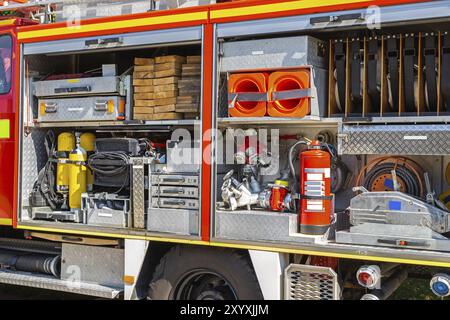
(195, 262)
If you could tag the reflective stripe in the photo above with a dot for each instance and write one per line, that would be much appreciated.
(132, 23)
(5, 221)
(249, 247)
(4, 129)
(278, 7)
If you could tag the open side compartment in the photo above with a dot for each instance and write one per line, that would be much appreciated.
(260, 200)
(110, 139)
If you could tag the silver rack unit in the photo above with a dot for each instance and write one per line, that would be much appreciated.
(174, 203)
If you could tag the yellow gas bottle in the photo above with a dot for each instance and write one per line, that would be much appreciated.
(87, 142)
(77, 177)
(66, 143)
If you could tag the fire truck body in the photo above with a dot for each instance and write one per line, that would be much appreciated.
(358, 194)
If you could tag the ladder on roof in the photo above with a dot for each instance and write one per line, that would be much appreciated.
(48, 11)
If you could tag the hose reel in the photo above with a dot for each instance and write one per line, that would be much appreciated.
(377, 176)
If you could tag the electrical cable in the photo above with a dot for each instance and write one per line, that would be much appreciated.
(111, 170)
(408, 172)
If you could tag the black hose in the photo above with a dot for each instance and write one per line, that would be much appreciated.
(31, 262)
(410, 179)
(109, 170)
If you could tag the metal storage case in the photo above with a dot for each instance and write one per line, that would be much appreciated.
(274, 53)
(106, 217)
(77, 86)
(109, 108)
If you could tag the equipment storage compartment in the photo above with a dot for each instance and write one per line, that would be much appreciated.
(88, 179)
(258, 200)
(99, 117)
(291, 186)
(273, 78)
(135, 77)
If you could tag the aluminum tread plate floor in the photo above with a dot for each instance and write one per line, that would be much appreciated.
(50, 283)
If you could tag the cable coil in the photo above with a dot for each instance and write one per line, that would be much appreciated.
(375, 175)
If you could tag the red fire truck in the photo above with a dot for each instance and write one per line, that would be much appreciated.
(245, 150)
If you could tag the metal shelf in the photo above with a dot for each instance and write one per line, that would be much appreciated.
(308, 120)
(317, 121)
(117, 124)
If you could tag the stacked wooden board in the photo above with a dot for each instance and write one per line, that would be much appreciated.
(189, 88)
(167, 75)
(143, 77)
(167, 87)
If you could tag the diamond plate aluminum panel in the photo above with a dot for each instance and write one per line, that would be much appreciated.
(138, 193)
(273, 53)
(395, 139)
(177, 221)
(34, 158)
(81, 109)
(92, 264)
(49, 283)
(258, 226)
(306, 282)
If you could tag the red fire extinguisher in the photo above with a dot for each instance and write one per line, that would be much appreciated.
(315, 190)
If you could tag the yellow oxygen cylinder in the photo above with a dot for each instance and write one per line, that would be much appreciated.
(87, 142)
(78, 176)
(66, 143)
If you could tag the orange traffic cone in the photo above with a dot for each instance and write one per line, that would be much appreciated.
(242, 83)
(295, 102)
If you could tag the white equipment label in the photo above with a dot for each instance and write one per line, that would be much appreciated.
(314, 177)
(314, 205)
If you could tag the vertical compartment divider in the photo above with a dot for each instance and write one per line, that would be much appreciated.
(331, 82)
(401, 97)
(439, 75)
(420, 78)
(384, 85)
(366, 102)
(347, 79)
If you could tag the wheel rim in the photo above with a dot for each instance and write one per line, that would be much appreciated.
(204, 285)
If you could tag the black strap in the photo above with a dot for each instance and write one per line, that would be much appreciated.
(392, 55)
(430, 72)
(445, 78)
(372, 67)
(339, 62)
(409, 55)
(355, 51)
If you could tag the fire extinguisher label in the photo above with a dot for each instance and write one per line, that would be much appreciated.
(314, 205)
(314, 177)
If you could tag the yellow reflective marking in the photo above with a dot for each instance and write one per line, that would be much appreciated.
(4, 129)
(174, 18)
(277, 7)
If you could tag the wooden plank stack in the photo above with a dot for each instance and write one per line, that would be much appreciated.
(167, 87)
(189, 88)
(167, 75)
(143, 76)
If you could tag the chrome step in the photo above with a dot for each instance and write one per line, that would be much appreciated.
(50, 283)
